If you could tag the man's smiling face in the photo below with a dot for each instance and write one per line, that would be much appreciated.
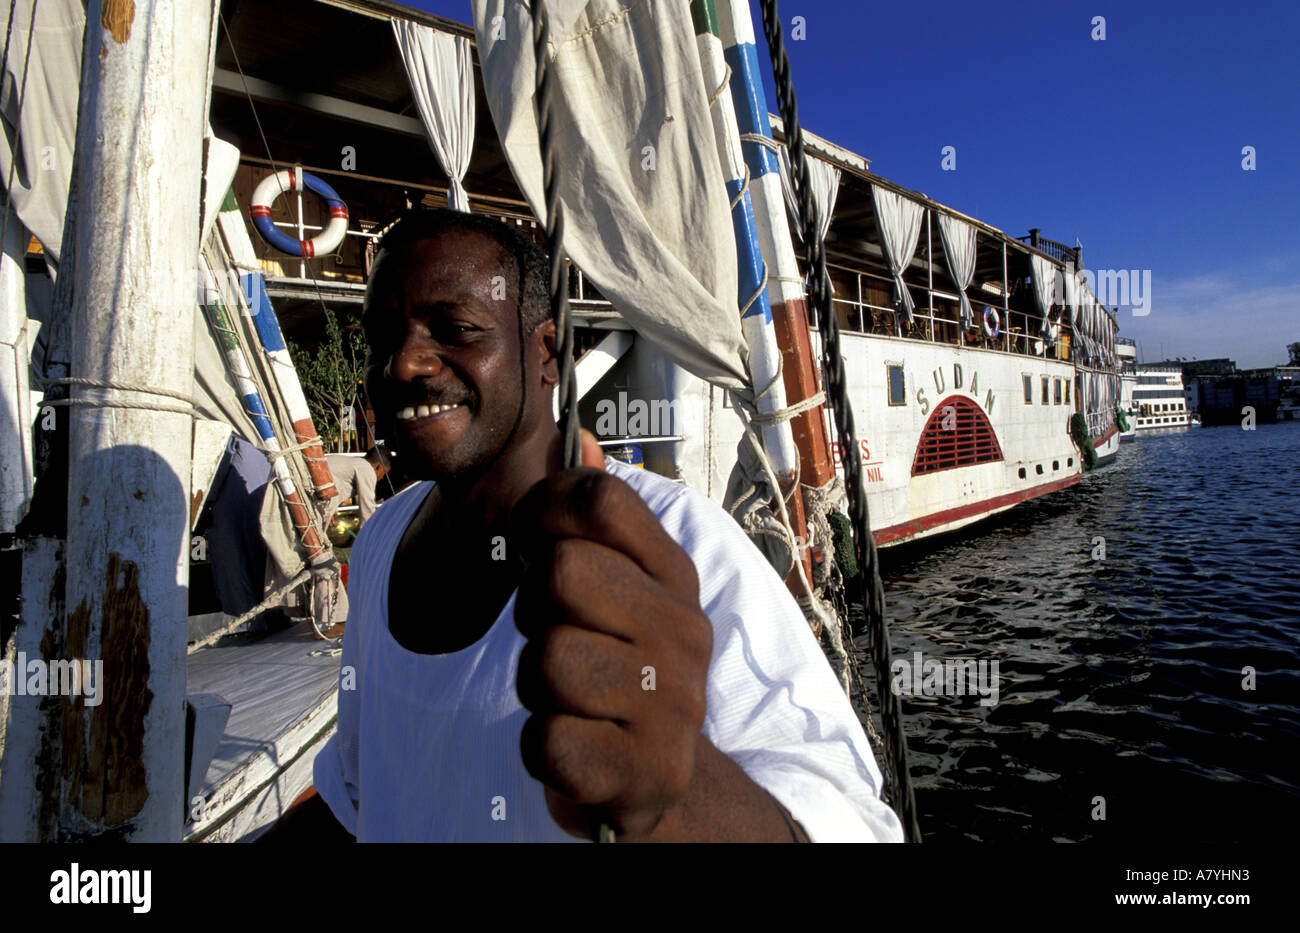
(445, 368)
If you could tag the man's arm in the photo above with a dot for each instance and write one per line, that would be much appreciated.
(609, 600)
(627, 651)
(365, 486)
(724, 805)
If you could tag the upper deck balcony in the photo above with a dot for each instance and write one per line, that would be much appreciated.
(1066, 255)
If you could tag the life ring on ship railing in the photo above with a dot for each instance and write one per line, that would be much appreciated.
(992, 332)
(272, 186)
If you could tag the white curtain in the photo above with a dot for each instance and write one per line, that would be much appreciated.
(825, 189)
(1072, 299)
(1094, 312)
(1088, 316)
(629, 88)
(959, 246)
(899, 220)
(1044, 274)
(1072, 296)
(441, 70)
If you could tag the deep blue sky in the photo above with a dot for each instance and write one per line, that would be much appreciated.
(1133, 144)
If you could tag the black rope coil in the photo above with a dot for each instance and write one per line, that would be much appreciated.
(898, 778)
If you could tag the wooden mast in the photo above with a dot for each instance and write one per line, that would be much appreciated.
(789, 315)
(115, 769)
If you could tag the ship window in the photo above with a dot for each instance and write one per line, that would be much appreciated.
(1029, 390)
(1069, 461)
(1056, 464)
(1044, 401)
(1039, 469)
(1056, 392)
(1067, 391)
(897, 394)
(958, 434)
(1022, 472)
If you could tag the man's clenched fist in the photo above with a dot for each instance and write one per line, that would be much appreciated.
(607, 593)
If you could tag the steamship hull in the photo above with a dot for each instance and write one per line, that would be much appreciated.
(962, 443)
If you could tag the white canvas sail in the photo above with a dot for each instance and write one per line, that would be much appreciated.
(647, 216)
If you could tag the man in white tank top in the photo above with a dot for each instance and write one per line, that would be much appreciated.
(533, 653)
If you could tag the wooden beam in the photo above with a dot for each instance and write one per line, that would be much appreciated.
(232, 82)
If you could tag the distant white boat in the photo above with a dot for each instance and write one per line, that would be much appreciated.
(1160, 399)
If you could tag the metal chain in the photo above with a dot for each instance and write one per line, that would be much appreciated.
(900, 785)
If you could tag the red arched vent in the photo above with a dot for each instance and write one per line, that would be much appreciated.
(958, 434)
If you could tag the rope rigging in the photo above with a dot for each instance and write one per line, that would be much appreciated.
(899, 781)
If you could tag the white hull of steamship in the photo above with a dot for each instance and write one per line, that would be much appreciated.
(963, 444)
(1102, 393)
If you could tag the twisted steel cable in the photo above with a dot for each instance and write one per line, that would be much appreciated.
(899, 780)
(568, 387)
(569, 428)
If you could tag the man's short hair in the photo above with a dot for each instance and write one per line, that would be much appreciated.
(532, 267)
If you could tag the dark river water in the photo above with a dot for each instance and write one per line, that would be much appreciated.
(1123, 678)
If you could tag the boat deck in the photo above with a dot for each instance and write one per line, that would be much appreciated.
(282, 694)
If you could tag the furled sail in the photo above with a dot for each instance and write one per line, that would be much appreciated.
(646, 210)
(40, 138)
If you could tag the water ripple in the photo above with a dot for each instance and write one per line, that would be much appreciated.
(1124, 679)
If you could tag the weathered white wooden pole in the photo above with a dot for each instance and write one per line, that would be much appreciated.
(139, 145)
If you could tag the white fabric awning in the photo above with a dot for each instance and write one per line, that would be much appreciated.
(441, 71)
(899, 221)
(959, 246)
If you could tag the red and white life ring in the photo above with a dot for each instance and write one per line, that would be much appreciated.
(272, 186)
(992, 331)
